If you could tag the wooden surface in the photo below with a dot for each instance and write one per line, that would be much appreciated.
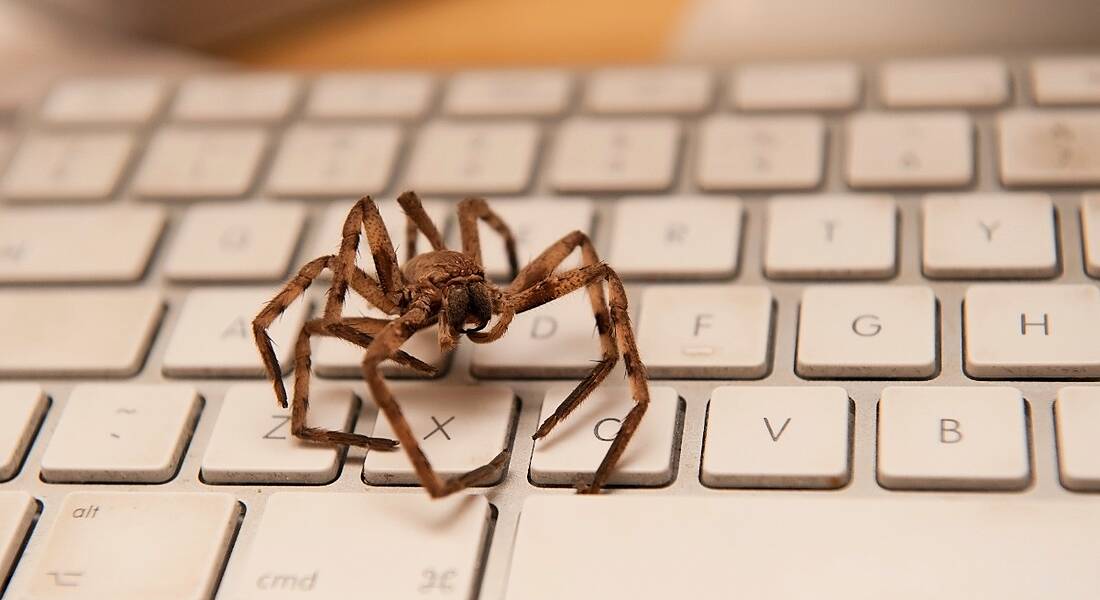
(457, 33)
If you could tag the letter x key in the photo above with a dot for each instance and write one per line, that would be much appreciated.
(440, 428)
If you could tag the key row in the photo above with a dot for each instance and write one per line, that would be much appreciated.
(588, 155)
(756, 437)
(684, 332)
(806, 237)
(268, 97)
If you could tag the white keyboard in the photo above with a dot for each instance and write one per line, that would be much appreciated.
(865, 295)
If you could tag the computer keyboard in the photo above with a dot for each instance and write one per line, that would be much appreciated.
(864, 293)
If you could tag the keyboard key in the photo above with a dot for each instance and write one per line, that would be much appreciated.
(961, 438)
(333, 357)
(989, 236)
(831, 237)
(67, 167)
(104, 101)
(645, 90)
(778, 437)
(791, 546)
(761, 153)
(707, 331)
(370, 96)
(1014, 331)
(1049, 148)
(615, 155)
(88, 333)
(213, 335)
(685, 237)
(252, 442)
(334, 160)
(557, 339)
(110, 433)
(572, 451)
(196, 164)
(796, 86)
(1066, 80)
(978, 82)
(17, 511)
(460, 428)
(1090, 231)
(22, 406)
(241, 242)
(116, 545)
(328, 235)
(1077, 417)
(536, 224)
(312, 545)
(857, 332)
(910, 150)
(540, 93)
(473, 158)
(78, 245)
(254, 97)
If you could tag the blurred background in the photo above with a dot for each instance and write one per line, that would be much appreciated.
(40, 39)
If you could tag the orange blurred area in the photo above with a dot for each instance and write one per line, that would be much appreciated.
(453, 33)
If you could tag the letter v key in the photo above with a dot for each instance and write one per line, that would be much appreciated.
(771, 432)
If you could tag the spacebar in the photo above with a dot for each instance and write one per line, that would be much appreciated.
(634, 548)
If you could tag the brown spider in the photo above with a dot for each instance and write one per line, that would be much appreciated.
(448, 289)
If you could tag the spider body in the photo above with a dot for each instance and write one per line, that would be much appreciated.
(447, 289)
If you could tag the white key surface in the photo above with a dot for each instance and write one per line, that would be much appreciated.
(78, 244)
(104, 101)
(1090, 231)
(532, 93)
(334, 357)
(1077, 420)
(830, 237)
(989, 236)
(240, 242)
(713, 331)
(909, 150)
(103, 333)
(975, 82)
(861, 331)
(615, 155)
(1066, 80)
(473, 158)
(197, 163)
(952, 438)
(17, 511)
(254, 97)
(22, 406)
(67, 166)
(777, 437)
(121, 433)
(796, 86)
(626, 547)
(133, 546)
(310, 545)
(536, 224)
(678, 237)
(1014, 331)
(761, 153)
(646, 90)
(572, 451)
(459, 428)
(213, 334)
(334, 160)
(1049, 147)
(252, 441)
(558, 339)
(369, 96)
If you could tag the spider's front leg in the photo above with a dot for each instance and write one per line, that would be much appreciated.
(385, 344)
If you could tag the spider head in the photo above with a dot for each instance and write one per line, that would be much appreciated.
(467, 303)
